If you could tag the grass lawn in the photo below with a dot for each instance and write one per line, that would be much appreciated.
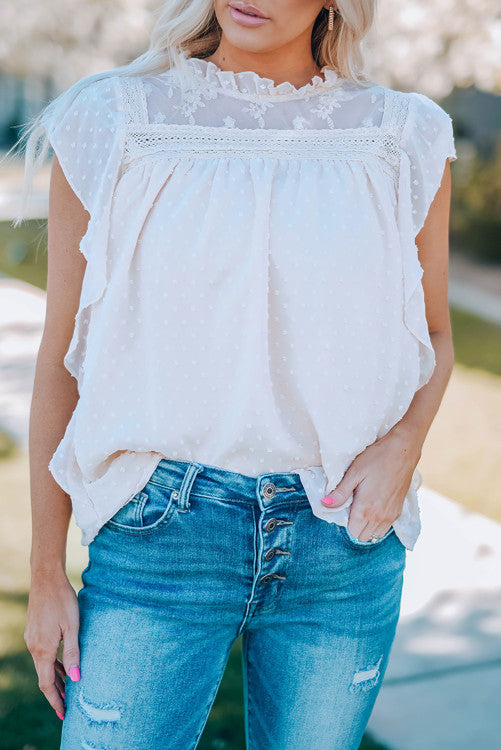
(461, 453)
(460, 459)
(23, 251)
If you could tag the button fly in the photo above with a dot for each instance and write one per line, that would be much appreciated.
(269, 490)
(270, 554)
(271, 525)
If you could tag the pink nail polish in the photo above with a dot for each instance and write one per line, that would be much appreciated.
(61, 716)
(62, 694)
(328, 500)
(74, 673)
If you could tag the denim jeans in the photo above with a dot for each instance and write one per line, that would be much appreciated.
(199, 557)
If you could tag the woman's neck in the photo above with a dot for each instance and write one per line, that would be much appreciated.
(279, 65)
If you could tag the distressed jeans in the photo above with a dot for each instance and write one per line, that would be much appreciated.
(197, 558)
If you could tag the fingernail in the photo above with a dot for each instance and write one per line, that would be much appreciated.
(74, 673)
(328, 500)
(61, 716)
(62, 694)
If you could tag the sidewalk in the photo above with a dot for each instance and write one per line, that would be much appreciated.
(441, 689)
(11, 185)
(22, 314)
(475, 287)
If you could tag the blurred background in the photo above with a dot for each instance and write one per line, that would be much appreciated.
(441, 689)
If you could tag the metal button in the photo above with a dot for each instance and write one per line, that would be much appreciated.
(269, 489)
(266, 578)
(271, 525)
(270, 554)
(270, 576)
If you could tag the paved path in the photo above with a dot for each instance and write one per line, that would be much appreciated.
(443, 682)
(475, 287)
(11, 183)
(22, 314)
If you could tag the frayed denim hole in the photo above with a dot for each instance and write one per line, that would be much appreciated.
(366, 678)
(99, 713)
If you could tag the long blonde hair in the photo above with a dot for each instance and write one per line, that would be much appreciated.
(189, 28)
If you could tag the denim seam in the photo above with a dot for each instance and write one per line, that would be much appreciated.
(245, 655)
(164, 520)
(249, 500)
(212, 695)
(249, 703)
(255, 572)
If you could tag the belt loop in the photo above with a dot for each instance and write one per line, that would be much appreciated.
(188, 479)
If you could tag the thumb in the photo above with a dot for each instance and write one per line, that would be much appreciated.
(71, 653)
(341, 492)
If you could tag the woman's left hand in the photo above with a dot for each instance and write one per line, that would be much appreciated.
(379, 479)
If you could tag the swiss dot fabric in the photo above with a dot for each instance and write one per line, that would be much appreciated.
(252, 297)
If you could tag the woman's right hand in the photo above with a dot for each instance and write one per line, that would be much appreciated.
(53, 615)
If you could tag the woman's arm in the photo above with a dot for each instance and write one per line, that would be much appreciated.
(433, 250)
(52, 610)
(381, 475)
(55, 391)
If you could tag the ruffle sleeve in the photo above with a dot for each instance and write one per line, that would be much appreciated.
(427, 140)
(88, 142)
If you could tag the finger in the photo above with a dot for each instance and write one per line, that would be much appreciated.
(71, 651)
(365, 521)
(341, 493)
(46, 683)
(378, 531)
(59, 666)
(356, 525)
(60, 685)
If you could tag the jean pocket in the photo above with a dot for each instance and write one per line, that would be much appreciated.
(151, 509)
(352, 541)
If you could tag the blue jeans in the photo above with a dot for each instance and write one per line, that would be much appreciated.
(199, 557)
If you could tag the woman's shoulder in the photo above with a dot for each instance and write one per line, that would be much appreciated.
(100, 87)
(85, 134)
(414, 103)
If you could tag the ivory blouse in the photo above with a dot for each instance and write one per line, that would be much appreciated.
(252, 297)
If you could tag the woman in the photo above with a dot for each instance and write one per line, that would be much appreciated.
(236, 376)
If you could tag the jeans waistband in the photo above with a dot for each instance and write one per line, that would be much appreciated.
(268, 489)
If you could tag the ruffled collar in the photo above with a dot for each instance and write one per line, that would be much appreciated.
(250, 84)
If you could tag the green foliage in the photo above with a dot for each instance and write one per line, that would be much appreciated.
(477, 342)
(7, 446)
(476, 207)
(23, 251)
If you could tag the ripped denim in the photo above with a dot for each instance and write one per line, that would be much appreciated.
(199, 557)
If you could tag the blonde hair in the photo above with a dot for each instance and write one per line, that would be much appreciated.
(189, 28)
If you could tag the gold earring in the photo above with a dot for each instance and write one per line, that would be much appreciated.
(330, 25)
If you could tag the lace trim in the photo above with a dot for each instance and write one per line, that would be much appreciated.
(134, 100)
(396, 106)
(200, 141)
(249, 84)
